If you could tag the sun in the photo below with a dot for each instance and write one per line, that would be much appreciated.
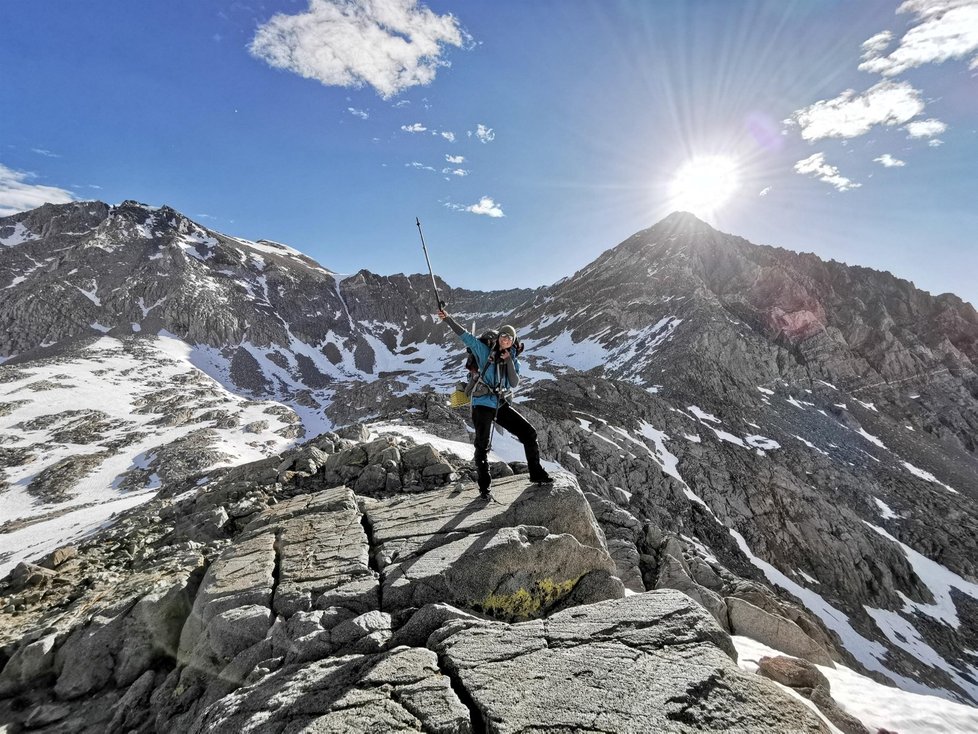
(704, 184)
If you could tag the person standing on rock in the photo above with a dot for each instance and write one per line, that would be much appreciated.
(499, 370)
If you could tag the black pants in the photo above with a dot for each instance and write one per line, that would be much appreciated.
(514, 423)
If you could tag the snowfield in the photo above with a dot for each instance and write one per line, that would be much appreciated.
(113, 407)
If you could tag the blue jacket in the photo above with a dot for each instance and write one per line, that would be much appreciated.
(505, 375)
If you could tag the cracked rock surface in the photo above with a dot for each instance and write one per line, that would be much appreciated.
(270, 600)
(651, 662)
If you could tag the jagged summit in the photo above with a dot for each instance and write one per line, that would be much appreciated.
(681, 219)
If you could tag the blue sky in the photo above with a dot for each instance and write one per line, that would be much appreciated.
(528, 136)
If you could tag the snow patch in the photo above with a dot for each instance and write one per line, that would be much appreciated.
(885, 512)
(702, 414)
(876, 705)
(90, 295)
(939, 579)
(810, 445)
(20, 235)
(926, 476)
(763, 443)
(871, 438)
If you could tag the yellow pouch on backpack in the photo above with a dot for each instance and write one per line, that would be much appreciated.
(459, 397)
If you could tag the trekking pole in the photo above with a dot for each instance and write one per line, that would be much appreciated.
(441, 303)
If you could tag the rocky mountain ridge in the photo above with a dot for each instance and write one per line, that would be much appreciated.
(808, 426)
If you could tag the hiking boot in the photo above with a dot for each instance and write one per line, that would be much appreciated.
(485, 496)
(540, 476)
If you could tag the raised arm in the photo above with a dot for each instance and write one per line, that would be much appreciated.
(450, 320)
(480, 350)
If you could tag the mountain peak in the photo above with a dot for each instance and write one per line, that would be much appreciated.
(679, 216)
(681, 221)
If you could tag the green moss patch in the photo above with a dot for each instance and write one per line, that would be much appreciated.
(526, 603)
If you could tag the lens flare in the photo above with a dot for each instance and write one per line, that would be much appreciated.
(703, 185)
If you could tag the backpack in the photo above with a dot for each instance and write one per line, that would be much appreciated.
(475, 386)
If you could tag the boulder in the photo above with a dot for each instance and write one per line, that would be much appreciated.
(673, 575)
(368, 632)
(381, 449)
(626, 558)
(152, 631)
(59, 556)
(130, 711)
(26, 575)
(241, 576)
(398, 691)
(518, 557)
(407, 524)
(650, 662)
(840, 718)
(421, 456)
(354, 456)
(509, 573)
(372, 479)
(87, 658)
(28, 663)
(356, 432)
(48, 713)
(792, 672)
(777, 632)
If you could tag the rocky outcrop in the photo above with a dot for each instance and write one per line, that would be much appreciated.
(651, 662)
(540, 550)
(414, 610)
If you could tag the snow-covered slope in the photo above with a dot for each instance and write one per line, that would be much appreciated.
(94, 431)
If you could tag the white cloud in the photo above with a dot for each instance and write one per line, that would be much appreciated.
(16, 195)
(936, 142)
(46, 153)
(401, 103)
(415, 128)
(389, 44)
(877, 44)
(455, 171)
(850, 115)
(765, 191)
(486, 206)
(419, 166)
(946, 29)
(362, 114)
(889, 161)
(449, 136)
(816, 166)
(455, 158)
(484, 134)
(925, 128)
